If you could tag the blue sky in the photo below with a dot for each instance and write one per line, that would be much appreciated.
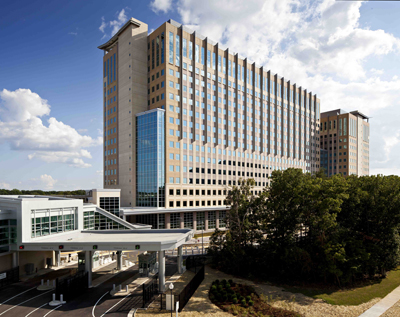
(50, 53)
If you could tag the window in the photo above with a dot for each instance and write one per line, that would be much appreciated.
(188, 220)
(221, 217)
(211, 219)
(200, 218)
(175, 220)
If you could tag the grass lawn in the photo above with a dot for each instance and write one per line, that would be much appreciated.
(354, 296)
(206, 234)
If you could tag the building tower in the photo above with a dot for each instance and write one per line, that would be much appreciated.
(185, 118)
(344, 143)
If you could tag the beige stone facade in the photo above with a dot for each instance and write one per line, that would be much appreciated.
(226, 118)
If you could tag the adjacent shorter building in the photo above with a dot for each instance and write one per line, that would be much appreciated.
(26, 218)
(344, 143)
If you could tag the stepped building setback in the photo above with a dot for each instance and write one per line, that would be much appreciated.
(185, 118)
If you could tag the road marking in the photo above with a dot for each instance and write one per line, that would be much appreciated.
(24, 302)
(97, 303)
(18, 295)
(115, 305)
(52, 310)
(36, 309)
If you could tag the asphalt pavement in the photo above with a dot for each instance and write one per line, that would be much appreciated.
(23, 299)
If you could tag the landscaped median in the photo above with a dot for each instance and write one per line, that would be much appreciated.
(200, 303)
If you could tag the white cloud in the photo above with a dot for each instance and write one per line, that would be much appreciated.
(99, 172)
(5, 185)
(161, 6)
(45, 181)
(319, 46)
(115, 25)
(73, 33)
(23, 129)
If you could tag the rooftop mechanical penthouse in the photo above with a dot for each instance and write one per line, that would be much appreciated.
(185, 118)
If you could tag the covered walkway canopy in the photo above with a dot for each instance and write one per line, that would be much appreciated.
(119, 240)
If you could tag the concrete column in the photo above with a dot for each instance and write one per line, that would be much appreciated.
(182, 216)
(15, 259)
(119, 260)
(88, 266)
(180, 260)
(161, 271)
(58, 258)
(205, 220)
(194, 221)
(124, 217)
(217, 219)
(168, 221)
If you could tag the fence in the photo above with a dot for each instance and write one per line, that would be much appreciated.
(8, 277)
(72, 286)
(194, 262)
(150, 290)
(187, 292)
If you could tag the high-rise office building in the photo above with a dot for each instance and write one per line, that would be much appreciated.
(344, 138)
(185, 118)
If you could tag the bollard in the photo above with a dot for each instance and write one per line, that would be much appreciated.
(54, 283)
(48, 283)
(61, 298)
(54, 297)
(119, 287)
(113, 287)
(42, 282)
(127, 288)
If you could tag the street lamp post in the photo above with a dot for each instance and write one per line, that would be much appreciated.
(171, 287)
(202, 242)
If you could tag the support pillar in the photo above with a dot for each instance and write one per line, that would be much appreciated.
(180, 260)
(161, 271)
(58, 258)
(88, 266)
(15, 259)
(119, 260)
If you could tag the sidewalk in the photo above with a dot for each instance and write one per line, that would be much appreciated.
(383, 305)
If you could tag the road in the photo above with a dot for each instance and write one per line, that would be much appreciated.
(23, 299)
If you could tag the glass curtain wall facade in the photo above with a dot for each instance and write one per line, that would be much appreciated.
(111, 204)
(150, 158)
(52, 221)
(95, 221)
(8, 234)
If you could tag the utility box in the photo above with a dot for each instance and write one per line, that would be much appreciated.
(81, 261)
(147, 263)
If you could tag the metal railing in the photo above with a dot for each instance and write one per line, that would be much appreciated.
(150, 290)
(72, 286)
(8, 277)
(185, 295)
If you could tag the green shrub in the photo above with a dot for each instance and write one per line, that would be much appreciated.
(241, 298)
(248, 298)
(230, 282)
(216, 282)
(225, 298)
(223, 282)
(234, 300)
(251, 303)
(213, 289)
(243, 302)
(228, 285)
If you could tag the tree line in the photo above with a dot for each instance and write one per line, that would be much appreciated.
(41, 192)
(311, 228)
